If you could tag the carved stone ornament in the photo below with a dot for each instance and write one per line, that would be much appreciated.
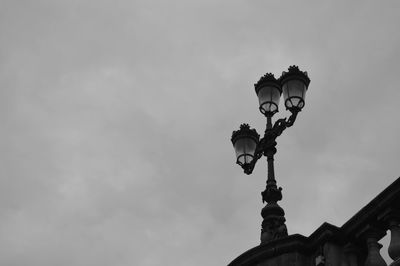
(273, 228)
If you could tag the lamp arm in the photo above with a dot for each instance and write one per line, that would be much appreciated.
(268, 143)
(292, 118)
(281, 124)
(248, 169)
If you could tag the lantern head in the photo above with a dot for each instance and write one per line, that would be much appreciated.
(245, 142)
(294, 85)
(269, 91)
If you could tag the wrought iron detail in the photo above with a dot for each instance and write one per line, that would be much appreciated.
(273, 225)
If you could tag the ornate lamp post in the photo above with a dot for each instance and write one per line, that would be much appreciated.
(249, 147)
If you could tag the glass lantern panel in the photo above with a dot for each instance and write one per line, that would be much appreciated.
(294, 88)
(268, 98)
(294, 92)
(245, 149)
(245, 159)
(294, 102)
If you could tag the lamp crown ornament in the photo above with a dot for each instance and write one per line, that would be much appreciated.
(250, 148)
(268, 77)
(294, 72)
(245, 131)
(244, 126)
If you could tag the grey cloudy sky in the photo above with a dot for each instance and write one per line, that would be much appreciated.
(116, 119)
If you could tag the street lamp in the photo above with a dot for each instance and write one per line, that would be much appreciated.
(249, 147)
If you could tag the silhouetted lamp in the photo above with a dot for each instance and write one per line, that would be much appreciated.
(294, 85)
(245, 141)
(269, 91)
(250, 148)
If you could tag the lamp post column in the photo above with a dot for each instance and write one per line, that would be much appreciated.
(270, 156)
(273, 225)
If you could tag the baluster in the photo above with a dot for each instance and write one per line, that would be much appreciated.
(394, 246)
(374, 257)
(350, 254)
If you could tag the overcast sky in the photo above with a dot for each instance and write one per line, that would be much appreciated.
(116, 118)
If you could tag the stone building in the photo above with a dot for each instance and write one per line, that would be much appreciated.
(353, 244)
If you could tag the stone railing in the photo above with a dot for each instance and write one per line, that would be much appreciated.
(353, 244)
(371, 224)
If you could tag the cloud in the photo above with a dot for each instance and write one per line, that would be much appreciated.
(116, 122)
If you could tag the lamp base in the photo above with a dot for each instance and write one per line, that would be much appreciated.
(273, 226)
